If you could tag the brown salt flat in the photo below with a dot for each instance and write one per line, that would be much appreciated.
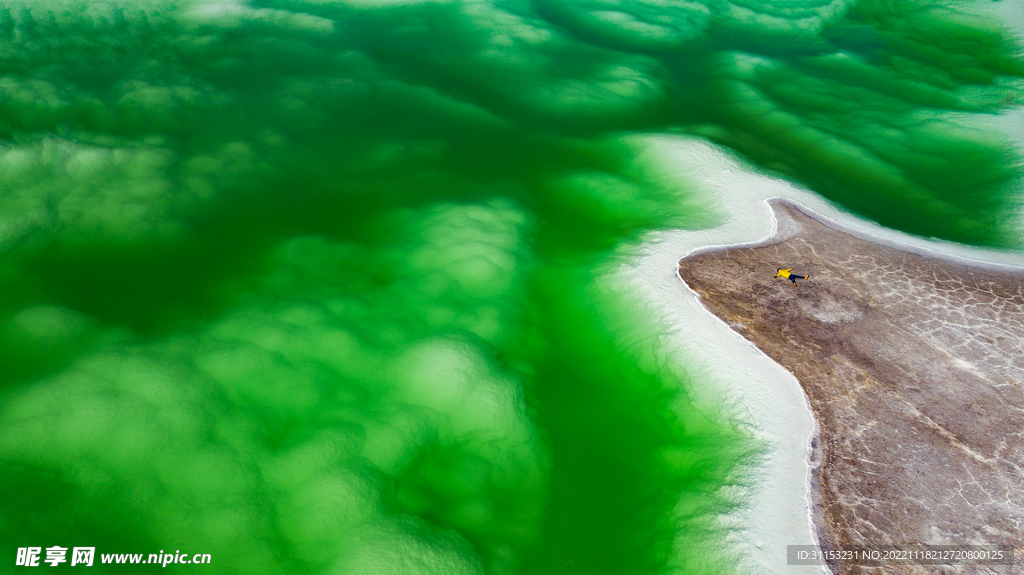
(913, 366)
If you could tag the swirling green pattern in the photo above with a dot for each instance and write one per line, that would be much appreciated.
(328, 287)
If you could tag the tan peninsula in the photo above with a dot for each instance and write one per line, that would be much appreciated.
(913, 365)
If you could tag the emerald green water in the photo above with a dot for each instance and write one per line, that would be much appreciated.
(326, 287)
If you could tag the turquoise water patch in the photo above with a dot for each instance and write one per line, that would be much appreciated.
(330, 287)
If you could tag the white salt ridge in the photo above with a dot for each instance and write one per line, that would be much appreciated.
(745, 383)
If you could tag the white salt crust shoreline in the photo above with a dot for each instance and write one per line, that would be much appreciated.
(742, 382)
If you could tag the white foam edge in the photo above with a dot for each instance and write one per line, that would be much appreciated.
(743, 382)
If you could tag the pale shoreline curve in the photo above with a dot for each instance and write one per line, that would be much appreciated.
(749, 388)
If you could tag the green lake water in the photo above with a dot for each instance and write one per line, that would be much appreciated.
(326, 287)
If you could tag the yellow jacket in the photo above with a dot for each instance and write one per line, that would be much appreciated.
(784, 273)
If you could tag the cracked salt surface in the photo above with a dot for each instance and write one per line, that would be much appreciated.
(749, 386)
